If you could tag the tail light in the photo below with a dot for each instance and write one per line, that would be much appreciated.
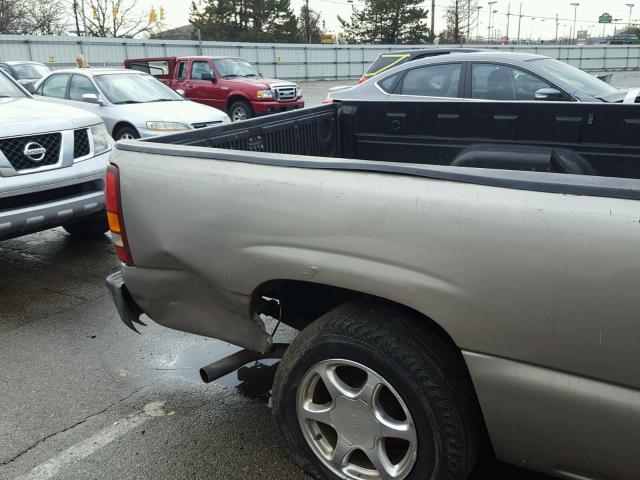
(363, 79)
(114, 215)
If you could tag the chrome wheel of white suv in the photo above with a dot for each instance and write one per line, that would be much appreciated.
(355, 422)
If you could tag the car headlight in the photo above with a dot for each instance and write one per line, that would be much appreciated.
(101, 139)
(167, 126)
(264, 94)
(298, 92)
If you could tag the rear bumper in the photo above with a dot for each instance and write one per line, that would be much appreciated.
(264, 108)
(182, 301)
(127, 308)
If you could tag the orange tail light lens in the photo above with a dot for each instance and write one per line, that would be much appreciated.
(114, 216)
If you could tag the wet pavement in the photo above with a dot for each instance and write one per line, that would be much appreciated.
(83, 397)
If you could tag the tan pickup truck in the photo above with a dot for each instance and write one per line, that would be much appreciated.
(464, 277)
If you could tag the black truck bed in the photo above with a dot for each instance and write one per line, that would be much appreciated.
(573, 138)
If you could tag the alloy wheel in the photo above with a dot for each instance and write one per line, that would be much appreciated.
(355, 422)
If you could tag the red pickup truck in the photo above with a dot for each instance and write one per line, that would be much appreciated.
(230, 84)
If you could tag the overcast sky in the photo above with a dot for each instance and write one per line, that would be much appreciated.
(588, 13)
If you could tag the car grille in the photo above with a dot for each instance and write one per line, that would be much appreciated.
(285, 94)
(81, 146)
(13, 149)
(205, 124)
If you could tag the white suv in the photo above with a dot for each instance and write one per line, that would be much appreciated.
(53, 160)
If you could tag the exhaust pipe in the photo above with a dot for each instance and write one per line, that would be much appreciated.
(229, 364)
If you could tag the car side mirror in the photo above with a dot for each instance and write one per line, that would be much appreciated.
(92, 98)
(207, 76)
(180, 92)
(29, 87)
(548, 94)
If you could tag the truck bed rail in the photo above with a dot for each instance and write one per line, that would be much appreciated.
(311, 131)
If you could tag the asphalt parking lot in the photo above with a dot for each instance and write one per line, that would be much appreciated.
(83, 397)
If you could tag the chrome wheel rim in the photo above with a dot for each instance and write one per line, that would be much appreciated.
(126, 136)
(355, 422)
(238, 113)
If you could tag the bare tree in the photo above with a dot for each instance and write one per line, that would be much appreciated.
(39, 17)
(310, 24)
(116, 18)
(459, 21)
(13, 17)
(48, 17)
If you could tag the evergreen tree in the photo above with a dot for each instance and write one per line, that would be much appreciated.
(245, 20)
(387, 22)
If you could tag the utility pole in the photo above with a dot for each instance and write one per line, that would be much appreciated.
(75, 14)
(433, 18)
(508, 20)
(307, 23)
(491, 4)
(519, 23)
(84, 18)
(557, 25)
(468, 36)
(574, 35)
(478, 25)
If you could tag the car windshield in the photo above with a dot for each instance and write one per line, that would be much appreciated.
(30, 71)
(235, 67)
(8, 88)
(122, 88)
(575, 77)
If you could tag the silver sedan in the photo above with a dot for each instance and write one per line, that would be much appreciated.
(132, 104)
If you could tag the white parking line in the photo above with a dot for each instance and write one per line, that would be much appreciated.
(94, 443)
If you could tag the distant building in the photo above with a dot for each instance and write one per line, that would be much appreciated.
(179, 33)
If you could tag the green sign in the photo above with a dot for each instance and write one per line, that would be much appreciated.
(605, 18)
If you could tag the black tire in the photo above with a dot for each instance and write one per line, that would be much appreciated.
(427, 375)
(239, 106)
(126, 132)
(90, 227)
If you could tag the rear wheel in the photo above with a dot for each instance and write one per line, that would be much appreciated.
(127, 132)
(90, 227)
(365, 394)
(240, 110)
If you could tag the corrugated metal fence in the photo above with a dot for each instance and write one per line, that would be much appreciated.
(286, 61)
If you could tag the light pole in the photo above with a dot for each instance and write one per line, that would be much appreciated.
(630, 5)
(508, 20)
(478, 26)
(575, 6)
(494, 37)
(519, 23)
(433, 19)
(491, 4)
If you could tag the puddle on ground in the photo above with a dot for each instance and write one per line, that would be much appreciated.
(253, 380)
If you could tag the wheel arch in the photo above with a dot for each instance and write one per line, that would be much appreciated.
(235, 96)
(299, 303)
(121, 124)
(302, 302)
